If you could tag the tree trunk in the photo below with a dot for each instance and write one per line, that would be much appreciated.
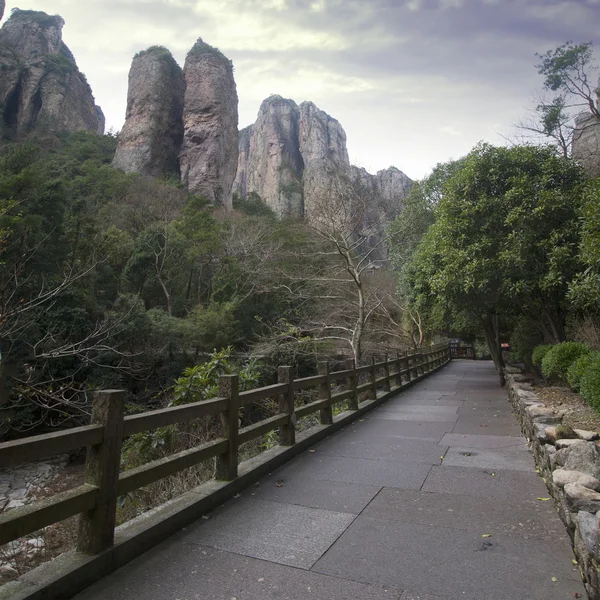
(492, 338)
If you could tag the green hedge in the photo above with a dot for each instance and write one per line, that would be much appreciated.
(577, 370)
(538, 354)
(590, 382)
(560, 357)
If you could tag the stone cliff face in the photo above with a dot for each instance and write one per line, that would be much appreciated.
(209, 153)
(151, 138)
(2, 7)
(41, 87)
(292, 155)
(270, 162)
(323, 148)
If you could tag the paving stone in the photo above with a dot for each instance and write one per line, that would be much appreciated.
(425, 431)
(175, 571)
(418, 417)
(487, 426)
(495, 483)
(314, 493)
(436, 560)
(399, 407)
(385, 447)
(523, 519)
(482, 441)
(404, 474)
(443, 400)
(283, 533)
(514, 460)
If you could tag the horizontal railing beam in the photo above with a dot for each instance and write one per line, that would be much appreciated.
(269, 391)
(25, 520)
(134, 479)
(310, 408)
(307, 382)
(251, 432)
(170, 416)
(36, 447)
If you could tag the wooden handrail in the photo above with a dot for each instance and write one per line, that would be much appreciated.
(95, 501)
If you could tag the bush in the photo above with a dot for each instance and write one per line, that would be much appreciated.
(577, 370)
(560, 357)
(538, 354)
(590, 382)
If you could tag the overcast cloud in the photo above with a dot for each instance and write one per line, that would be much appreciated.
(413, 82)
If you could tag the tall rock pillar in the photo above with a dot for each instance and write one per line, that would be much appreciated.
(209, 154)
(151, 138)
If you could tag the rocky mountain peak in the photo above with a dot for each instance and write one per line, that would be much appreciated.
(41, 86)
(321, 136)
(270, 162)
(151, 138)
(291, 155)
(209, 153)
(32, 34)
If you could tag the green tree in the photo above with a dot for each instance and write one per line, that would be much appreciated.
(568, 89)
(504, 242)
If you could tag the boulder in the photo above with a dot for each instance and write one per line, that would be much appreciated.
(562, 477)
(587, 527)
(579, 497)
(588, 436)
(580, 456)
(565, 443)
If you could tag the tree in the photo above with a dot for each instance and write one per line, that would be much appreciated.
(567, 91)
(337, 274)
(584, 290)
(405, 233)
(504, 241)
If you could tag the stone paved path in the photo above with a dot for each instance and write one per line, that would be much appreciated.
(433, 496)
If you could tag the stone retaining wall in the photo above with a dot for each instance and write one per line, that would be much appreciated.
(568, 460)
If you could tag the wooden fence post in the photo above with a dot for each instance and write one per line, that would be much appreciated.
(102, 465)
(352, 383)
(373, 391)
(387, 386)
(326, 413)
(398, 377)
(287, 432)
(227, 464)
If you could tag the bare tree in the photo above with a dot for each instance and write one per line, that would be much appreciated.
(336, 274)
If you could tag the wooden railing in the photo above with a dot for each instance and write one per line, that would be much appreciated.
(96, 499)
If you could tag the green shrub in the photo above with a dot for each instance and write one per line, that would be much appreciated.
(560, 357)
(590, 382)
(538, 354)
(577, 370)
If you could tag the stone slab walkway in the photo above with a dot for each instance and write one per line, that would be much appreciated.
(433, 496)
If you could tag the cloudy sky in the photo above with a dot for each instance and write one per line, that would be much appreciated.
(413, 82)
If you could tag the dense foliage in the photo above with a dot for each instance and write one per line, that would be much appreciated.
(560, 357)
(109, 279)
(578, 369)
(115, 280)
